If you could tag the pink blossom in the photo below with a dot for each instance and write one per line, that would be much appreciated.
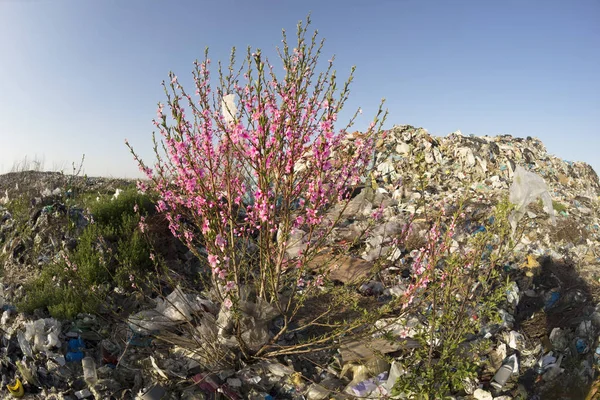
(220, 273)
(377, 214)
(220, 242)
(319, 280)
(205, 227)
(227, 303)
(142, 225)
(213, 260)
(229, 286)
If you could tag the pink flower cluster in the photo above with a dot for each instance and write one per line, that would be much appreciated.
(242, 169)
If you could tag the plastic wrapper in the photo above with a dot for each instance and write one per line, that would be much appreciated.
(368, 386)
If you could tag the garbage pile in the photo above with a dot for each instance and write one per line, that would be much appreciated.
(484, 168)
(483, 163)
(45, 225)
(545, 346)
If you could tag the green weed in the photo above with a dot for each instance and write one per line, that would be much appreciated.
(111, 251)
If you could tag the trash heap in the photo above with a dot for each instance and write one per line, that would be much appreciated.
(484, 168)
(545, 347)
(39, 233)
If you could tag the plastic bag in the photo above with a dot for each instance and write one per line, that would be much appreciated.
(179, 306)
(149, 321)
(512, 294)
(24, 343)
(253, 324)
(175, 308)
(396, 371)
(228, 108)
(525, 189)
(366, 387)
(43, 333)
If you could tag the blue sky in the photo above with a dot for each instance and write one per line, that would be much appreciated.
(80, 76)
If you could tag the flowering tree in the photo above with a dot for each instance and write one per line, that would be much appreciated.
(241, 170)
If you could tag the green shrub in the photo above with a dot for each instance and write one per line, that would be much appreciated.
(111, 250)
(108, 211)
(60, 291)
(463, 293)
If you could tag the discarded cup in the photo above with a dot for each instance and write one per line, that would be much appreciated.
(16, 389)
(75, 349)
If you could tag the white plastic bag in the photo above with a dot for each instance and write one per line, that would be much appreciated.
(43, 334)
(174, 309)
(149, 321)
(525, 189)
(179, 306)
(228, 108)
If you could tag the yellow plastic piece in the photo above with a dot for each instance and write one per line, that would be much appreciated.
(296, 379)
(17, 389)
(531, 264)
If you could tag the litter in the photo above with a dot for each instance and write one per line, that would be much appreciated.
(16, 389)
(481, 394)
(89, 371)
(154, 392)
(525, 189)
(505, 372)
(482, 169)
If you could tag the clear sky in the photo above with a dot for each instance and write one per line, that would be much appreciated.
(80, 76)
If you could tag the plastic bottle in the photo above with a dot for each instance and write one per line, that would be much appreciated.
(89, 371)
(504, 372)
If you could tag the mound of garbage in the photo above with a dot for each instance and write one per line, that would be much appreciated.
(546, 346)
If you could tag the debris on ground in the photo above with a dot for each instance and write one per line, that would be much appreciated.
(546, 346)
